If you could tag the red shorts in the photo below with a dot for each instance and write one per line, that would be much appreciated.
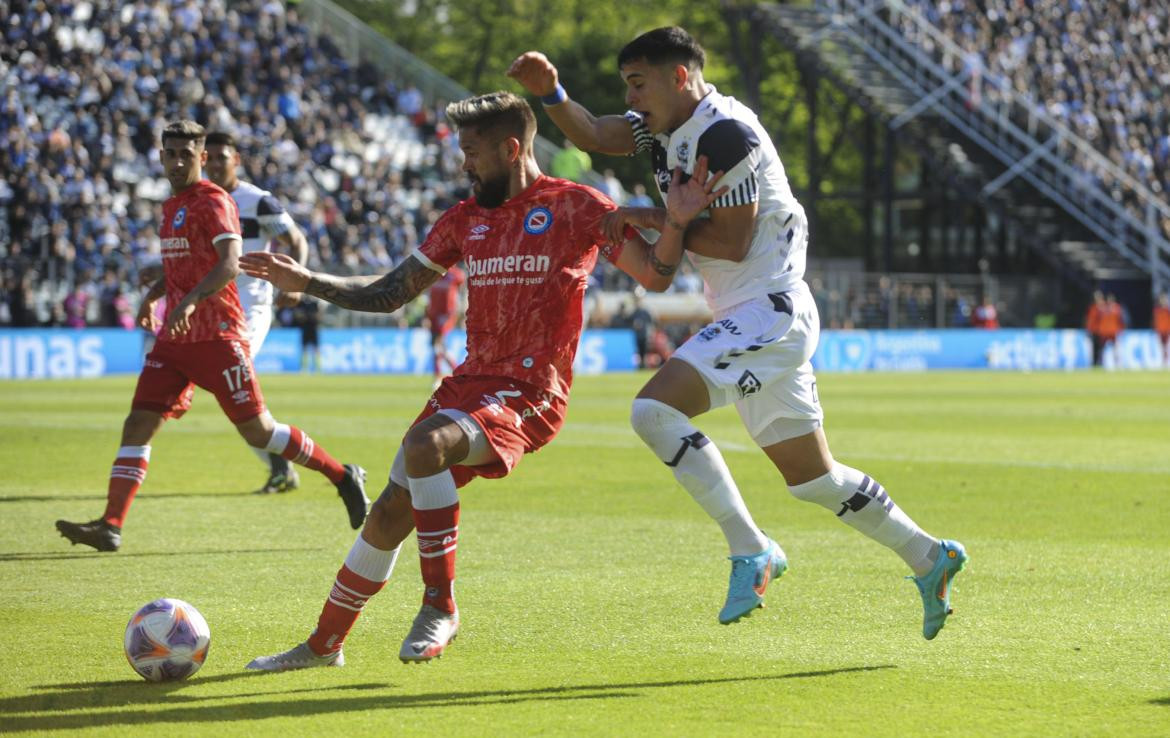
(223, 368)
(517, 419)
(442, 324)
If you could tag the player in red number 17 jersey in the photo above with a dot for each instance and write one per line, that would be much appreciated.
(443, 314)
(202, 343)
(193, 222)
(529, 242)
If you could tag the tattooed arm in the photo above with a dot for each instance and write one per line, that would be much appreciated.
(369, 294)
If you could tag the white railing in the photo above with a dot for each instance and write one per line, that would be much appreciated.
(1017, 130)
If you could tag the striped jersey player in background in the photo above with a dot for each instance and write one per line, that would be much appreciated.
(529, 242)
(750, 251)
(263, 220)
(203, 342)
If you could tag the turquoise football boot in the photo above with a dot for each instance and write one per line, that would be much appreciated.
(750, 576)
(935, 587)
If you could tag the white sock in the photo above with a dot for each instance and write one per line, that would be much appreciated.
(433, 492)
(134, 452)
(369, 562)
(262, 454)
(278, 441)
(862, 503)
(699, 468)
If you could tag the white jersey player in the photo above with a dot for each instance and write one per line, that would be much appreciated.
(751, 252)
(263, 220)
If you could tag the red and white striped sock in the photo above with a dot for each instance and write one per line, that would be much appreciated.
(438, 537)
(126, 476)
(362, 576)
(294, 444)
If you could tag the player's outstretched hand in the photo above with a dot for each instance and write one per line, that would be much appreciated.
(533, 70)
(280, 269)
(613, 223)
(685, 200)
(179, 319)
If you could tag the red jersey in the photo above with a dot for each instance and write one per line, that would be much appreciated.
(1162, 320)
(444, 294)
(1112, 321)
(527, 263)
(193, 221)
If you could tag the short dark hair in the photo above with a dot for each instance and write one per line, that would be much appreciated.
(221, 138)
(185, 130)
(666, 45)
(496, 111)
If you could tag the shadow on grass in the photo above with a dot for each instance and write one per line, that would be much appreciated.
(45, 707)
(1161, 701)
(100, 497)
(64, 555)
(88, 695)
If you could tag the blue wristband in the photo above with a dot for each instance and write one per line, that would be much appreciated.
(557, 97)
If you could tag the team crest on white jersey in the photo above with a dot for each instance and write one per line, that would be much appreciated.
(538, 220)
(180, 218)
(682, 152)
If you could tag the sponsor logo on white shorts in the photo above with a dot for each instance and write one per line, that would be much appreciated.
(748, 384)
(731, 327)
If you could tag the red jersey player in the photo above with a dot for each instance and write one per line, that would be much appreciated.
(201, 343)
(529, 242)
(443, 314)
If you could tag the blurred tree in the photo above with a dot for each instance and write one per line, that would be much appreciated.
(474, 42)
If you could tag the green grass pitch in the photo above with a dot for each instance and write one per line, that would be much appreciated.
(589, 581)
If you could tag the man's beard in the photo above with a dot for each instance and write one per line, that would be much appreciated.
(492, 192)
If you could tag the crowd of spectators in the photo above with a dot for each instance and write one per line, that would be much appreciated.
(364, 167)
(1100, 68)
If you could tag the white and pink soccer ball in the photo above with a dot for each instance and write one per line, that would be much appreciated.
(167, 640)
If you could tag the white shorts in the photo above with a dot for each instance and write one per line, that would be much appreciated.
(756, 355)
(259, 319)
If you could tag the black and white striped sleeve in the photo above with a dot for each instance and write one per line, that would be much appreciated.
(732, 147)
(642, 136)
(272, 217)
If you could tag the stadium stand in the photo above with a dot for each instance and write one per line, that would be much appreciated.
(1100, 68)
(366, 164)
(363, 166)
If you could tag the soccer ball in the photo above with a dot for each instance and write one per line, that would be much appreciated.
(167, 640)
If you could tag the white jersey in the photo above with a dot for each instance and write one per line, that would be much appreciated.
(730, 135)
(262, 218)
